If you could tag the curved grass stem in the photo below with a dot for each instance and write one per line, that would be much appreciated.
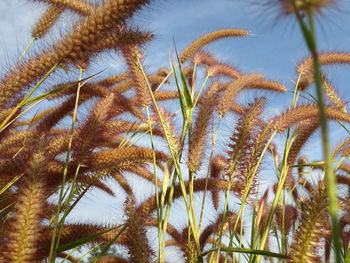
(310, 39)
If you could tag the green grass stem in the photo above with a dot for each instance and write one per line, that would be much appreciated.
(310, 39)
(54, 243)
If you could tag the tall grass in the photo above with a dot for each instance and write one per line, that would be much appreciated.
(162, 128)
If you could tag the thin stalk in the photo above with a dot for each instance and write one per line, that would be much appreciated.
(200, 90)
(23, 54)
(159, 206)
(341, 124)
(191, 175)
(255, 229)
(66, 204)
(296, 92)
(174, 156)
(70, 208)
(283, 237)
(90, 250)
(193, 84)
(21, 114)
(54, 246)
(125, 140)
(182, 141)
(246, 192)
(70, 253)
(171, 191)
(208, 171)
(280, 186)
(6, 207)
(18, 106)
(9, 184)
(167, 210)
(109, 244)
(310, 39)
(245, 195)
(240, 235)
(218, 241)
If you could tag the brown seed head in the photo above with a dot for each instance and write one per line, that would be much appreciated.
(303, 5)
(46, 21)
(216, 168)
(233, 89)
(198, 137)
(202, 41)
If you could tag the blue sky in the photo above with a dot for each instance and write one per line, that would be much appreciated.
(273, 48)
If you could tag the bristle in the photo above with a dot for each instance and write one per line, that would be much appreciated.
(149, 205)
(114, 79)
(46, 21)
(237, 109)
(17, 137)
(132, 54)
(188, 246)
(90, 131)
(119, 40)
(227, 98)
(308, 235)
(198, 137)
(304, 132)
(325, 59)
(333, 96)
(43, 152)
(254, 156)
(267, 85)
(201, 57)
(223, 69)
(58, 113)
(113, 259)
(344, 167)
(217, 166)
(157, 79)
(188, 73)
(306, 185)
(68, 256)
(110, 158)
(272, 148)
(79, 6)
(261, 207)
(74, 232)
(124, 86)
(242, 147)
(124, 185)
(202, 41)
(306, 66)
(308, 111)
(24, 230)
(136, 240)
(301, 160)
(117, 127)
(168, 129)
(71, 48)
(166, 95)
(228, 223)
(287, 220)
